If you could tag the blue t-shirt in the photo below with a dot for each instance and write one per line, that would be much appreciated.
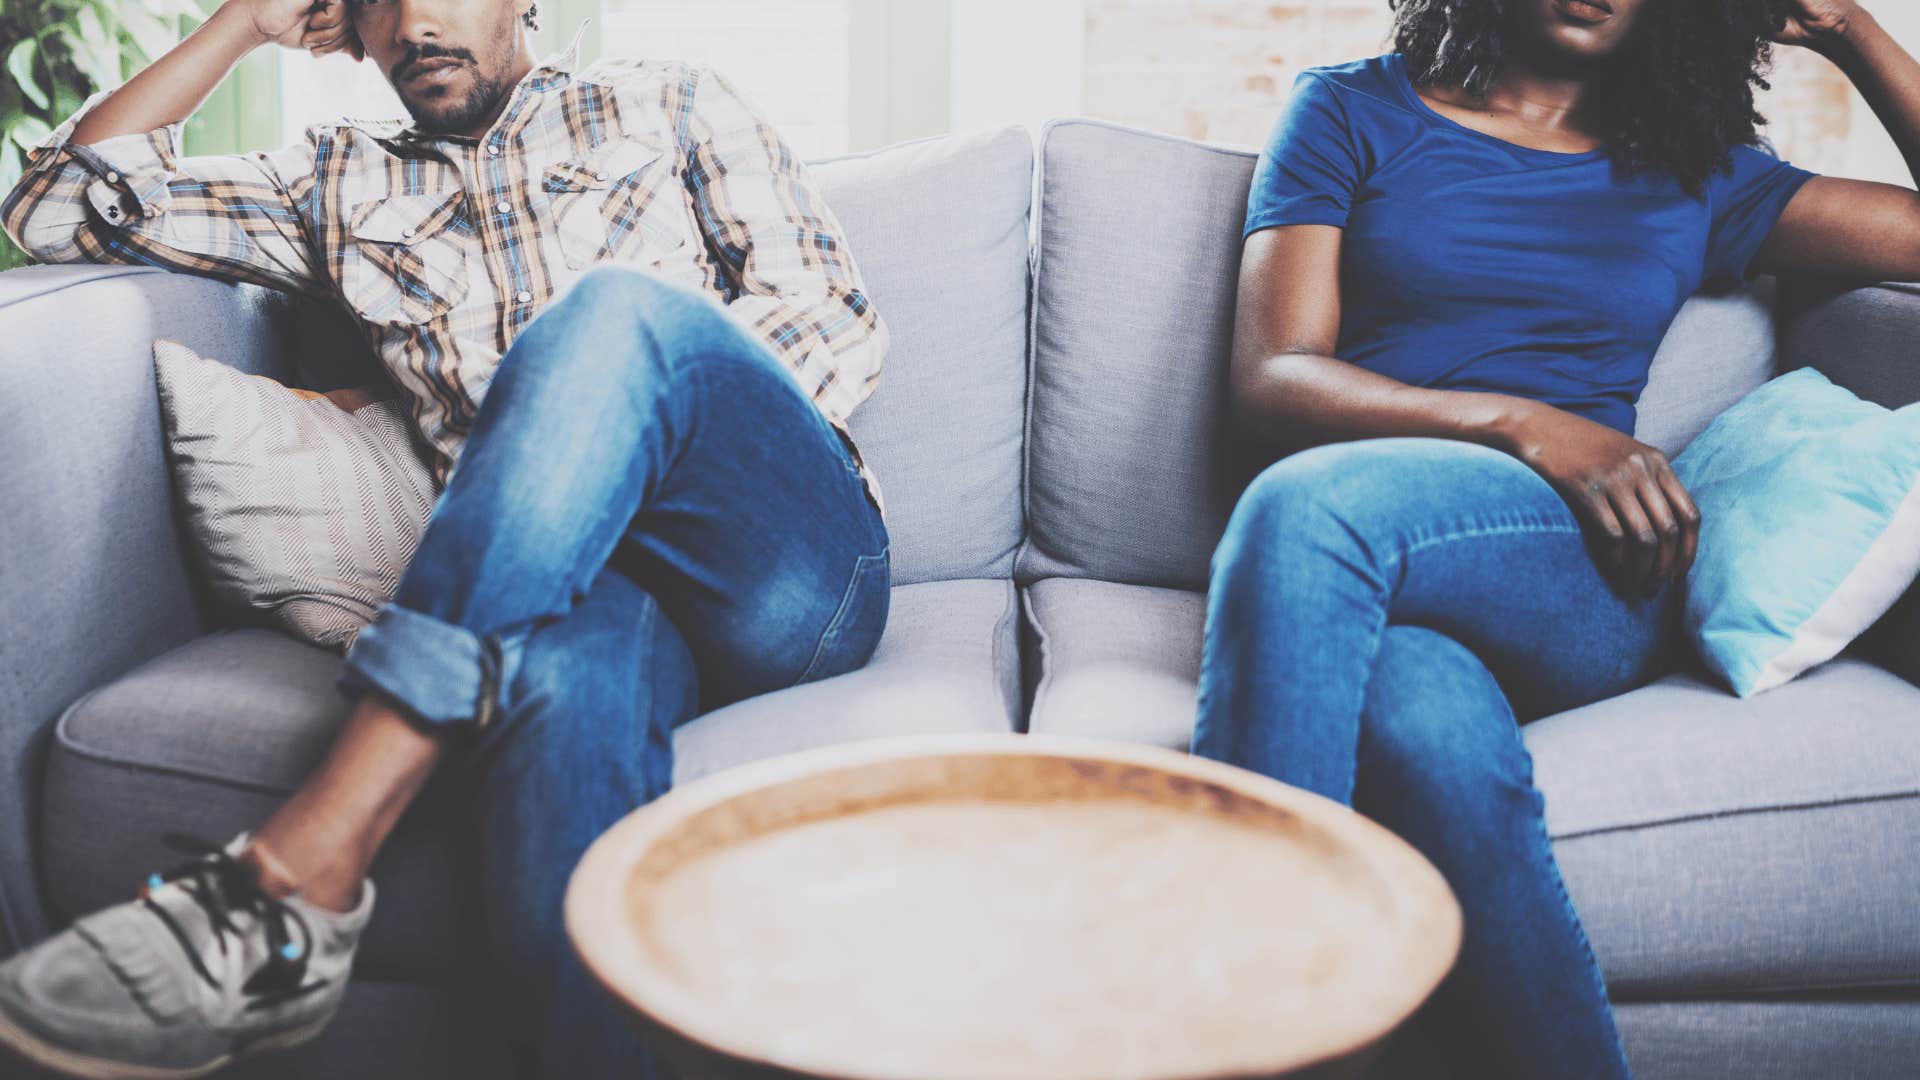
(1472, 263)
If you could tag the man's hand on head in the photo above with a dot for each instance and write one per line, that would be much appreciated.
(318, 26)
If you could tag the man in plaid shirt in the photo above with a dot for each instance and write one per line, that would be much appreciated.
(613, 298)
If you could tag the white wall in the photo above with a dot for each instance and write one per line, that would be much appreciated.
(1017, 61)
(900, 62)
(1871, 154)
(789, 57)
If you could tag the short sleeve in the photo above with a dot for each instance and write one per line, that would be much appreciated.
(1310, 168)
(1745, 204)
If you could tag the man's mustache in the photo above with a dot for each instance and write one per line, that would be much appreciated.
(421, 54)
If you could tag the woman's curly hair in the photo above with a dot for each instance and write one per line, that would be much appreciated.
(1678, 96)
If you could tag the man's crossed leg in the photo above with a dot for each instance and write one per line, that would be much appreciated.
(650, 519)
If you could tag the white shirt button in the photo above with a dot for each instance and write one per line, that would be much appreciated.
(493, 149)
(599, 176)
(502, 206)
(523, 296)
(113, 178)
(408, 231)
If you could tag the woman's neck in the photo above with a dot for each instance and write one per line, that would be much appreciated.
(1531, 96)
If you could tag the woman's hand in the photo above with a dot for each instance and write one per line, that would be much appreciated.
(1813, 23)
(1644, 522)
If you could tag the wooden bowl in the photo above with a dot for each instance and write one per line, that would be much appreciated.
(1009, 908)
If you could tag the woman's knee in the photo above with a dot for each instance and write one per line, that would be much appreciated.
(1434, 711)
(1364, 499)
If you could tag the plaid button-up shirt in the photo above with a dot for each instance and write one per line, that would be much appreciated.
(445, 247)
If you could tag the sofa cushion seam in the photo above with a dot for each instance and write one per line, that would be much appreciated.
(1773, 808)
(1708, 993)
(1000, 626)
(1043, 655)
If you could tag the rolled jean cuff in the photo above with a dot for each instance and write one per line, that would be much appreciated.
(443, 676)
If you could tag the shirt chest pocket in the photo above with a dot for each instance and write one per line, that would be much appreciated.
(406, 262)
(619, 200)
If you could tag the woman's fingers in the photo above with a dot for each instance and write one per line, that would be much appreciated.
(1689, 515)
(1642, 543)
(1666, 526)
(1608, 535)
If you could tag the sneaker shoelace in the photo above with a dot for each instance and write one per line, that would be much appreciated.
(222, 886)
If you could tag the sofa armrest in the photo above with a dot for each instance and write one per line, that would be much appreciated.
(94, 574)
(1867, 340)
(1862, 338)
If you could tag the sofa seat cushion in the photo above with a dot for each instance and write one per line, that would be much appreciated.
(209, 738)
(1713, 846)
(1114, 661)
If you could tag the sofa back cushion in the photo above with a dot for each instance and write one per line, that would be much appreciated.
(939, 229)
(1130, 476)
(1719, 349)
(1139, 248)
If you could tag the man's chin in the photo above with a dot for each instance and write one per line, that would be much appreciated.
(438, 121)
(450, 111)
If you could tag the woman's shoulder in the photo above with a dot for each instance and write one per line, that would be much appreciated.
(1376, 78)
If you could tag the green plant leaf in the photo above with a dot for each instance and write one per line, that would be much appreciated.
(11, 166)
(99, 54)
(67, 100)
(20, 66)
(151, 34)
(28, 132)
(92, 30)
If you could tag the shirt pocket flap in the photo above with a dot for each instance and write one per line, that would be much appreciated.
(405, 219)
(602, 167)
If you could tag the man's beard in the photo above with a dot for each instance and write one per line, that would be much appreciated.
(479, 103)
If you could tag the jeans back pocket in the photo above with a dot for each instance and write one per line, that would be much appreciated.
(854, 631)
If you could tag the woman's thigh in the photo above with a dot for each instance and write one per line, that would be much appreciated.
(1472, 543)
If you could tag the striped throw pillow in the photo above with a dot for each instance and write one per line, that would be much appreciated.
(303, 506)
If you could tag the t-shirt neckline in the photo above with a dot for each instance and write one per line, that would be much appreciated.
(1398, 62)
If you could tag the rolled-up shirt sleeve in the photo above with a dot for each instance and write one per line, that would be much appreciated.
(134, 199)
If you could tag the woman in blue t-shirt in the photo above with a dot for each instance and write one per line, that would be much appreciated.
(1459, 261)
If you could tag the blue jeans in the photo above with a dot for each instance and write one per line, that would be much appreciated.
(649, 520)
(1382, 614)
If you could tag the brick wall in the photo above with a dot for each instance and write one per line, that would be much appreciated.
(1220, 70)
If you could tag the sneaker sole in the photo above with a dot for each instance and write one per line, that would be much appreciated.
(38, 1051)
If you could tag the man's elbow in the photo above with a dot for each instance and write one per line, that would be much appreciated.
(46, 236)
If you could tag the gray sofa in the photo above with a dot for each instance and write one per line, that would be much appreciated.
(1047, 431)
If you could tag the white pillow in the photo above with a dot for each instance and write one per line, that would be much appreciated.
(304, 506)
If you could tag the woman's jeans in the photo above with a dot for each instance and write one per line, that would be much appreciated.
(649, 520)
(1381, 614)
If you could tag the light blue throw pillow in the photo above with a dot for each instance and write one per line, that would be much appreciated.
(1810, 527)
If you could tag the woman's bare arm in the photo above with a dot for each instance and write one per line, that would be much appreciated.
(1855, 228)
(1287, 391)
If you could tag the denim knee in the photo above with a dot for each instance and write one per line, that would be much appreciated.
(1295, 506)
(1437, 720)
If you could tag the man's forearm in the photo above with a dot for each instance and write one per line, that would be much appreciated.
(172, 87)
